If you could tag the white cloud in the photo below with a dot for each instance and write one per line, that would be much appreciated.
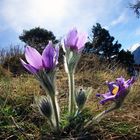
(122, 18)
(58, 15)
(26, 13)
(134, 47)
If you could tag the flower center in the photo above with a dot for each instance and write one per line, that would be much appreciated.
(115, 90)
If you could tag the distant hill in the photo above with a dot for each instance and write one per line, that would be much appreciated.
(136, 53)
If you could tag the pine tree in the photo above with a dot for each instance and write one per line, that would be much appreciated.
(37, 38)
(136, 8)
(103, 44)
(126, 58)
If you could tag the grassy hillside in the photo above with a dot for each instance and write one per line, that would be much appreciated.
(20, 118)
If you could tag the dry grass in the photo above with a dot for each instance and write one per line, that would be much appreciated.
(17, 98)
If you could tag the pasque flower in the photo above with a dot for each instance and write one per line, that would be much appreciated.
(73, 45)
(48, 60)
(74, 40)
(43, 67)
(117, 90)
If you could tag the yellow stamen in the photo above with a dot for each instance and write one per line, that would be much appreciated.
(115, 90)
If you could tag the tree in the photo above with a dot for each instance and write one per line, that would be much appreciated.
(126, 58)
(136, 8)
(37, 38)
(102, 43)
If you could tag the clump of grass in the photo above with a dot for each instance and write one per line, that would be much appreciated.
(4, 73)
(9, 59)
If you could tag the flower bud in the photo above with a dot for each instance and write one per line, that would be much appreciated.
(80, 99)
(45, 107)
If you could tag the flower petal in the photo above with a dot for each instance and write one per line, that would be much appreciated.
(106, 95)
(82, 38)
(56, 55)
(29, 67)
(98, 95)
(129, 82)
(48, 56)
(112, 86)
(107, 99)
(71, 38)
(120, 81)
(33, 57)
(121, 93)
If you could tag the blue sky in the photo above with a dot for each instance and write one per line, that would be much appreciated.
(61, 15)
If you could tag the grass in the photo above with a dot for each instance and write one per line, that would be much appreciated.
(21, 120)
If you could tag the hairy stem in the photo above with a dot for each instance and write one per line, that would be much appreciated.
(56, 113)
(71, 94)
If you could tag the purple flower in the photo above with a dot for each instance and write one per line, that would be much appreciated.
(117, 90)
(48, 60)
(75, 41)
